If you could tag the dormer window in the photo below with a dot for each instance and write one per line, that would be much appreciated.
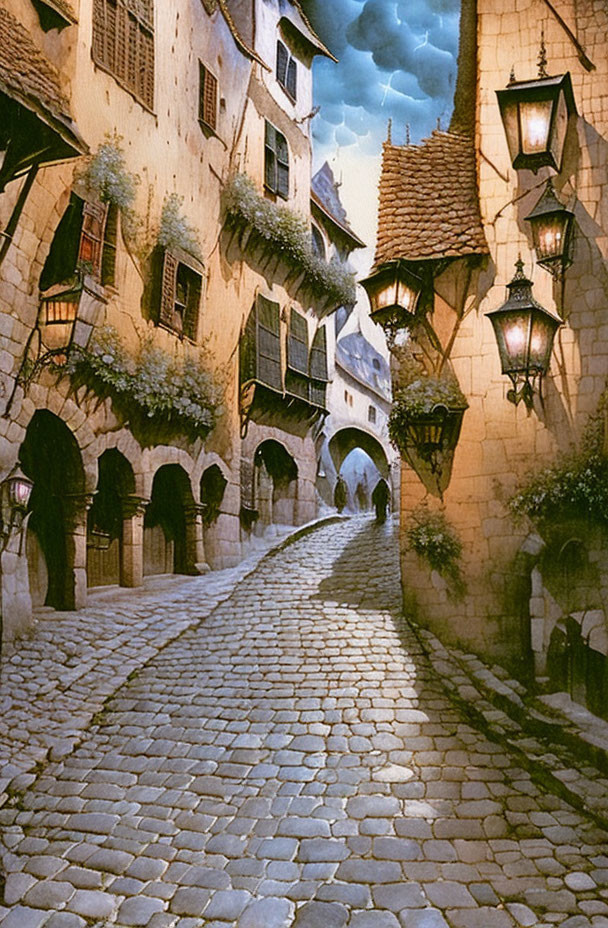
(287, 72)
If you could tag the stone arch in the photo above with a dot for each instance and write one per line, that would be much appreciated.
(170, 523)
(347, 439)
(130, 449)
(115, 487)
(155, 458)
(56, 536)
(276, 484)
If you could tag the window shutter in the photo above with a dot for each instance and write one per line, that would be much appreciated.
(99, 30)
(297, 343)
(167, 289)
(318, 368)
(282, 165)
(192, 306)
(282, 64)
(248, 349)
(146, 68)
(292, 77)
(269, 368)
(108, 251)
(270, 158)
(91, 236)
(123, 42)
(208, 97)
(132, 75)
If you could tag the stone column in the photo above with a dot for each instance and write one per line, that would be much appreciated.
(195, 545)
(132, 547)
(77, 506)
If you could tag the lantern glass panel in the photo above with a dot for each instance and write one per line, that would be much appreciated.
(512, 331)
(406, 296)
(20, 490)
(535, 122)
(560, 127)
(385, 295)
(549, 234)
(541, 342)
(510, 116)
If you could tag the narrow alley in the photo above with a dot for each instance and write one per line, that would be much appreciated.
(294, 760)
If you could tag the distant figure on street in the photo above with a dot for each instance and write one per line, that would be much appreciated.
(380, 499)
(340, 493)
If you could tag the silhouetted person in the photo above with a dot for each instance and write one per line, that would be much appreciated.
(340, 494)
(380, 498)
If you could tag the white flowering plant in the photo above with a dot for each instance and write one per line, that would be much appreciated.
(576, 485)
(289, 233)
(420, 397)
(107, 174)
(177, 393)
(175, 231)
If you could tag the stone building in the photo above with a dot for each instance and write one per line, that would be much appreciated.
(458, 210)
(163, 312)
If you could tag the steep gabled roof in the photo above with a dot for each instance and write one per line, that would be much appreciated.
(429, 205)
(28, 77)
(325, 195)
(309, 33)
(359, 358)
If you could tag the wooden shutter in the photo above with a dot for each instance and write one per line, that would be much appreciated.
(167, 289)
(292, 77)
(269, 368)
(99, 30)
(270, 158)
(146, 67)
(108, 252)
(318, 368)
(297, 343)
(282, 155)
(192, 305)
(91, 236)
(123, 43)
(248, 349)
(208, 97)
(282, 64)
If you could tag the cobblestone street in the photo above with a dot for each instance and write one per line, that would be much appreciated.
(294, 760)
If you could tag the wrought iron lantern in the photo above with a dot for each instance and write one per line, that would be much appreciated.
(58, 314)
(430, 435)
(524, 331)
(393, 291)
(552, 226)
(535, 115)
(15, 493)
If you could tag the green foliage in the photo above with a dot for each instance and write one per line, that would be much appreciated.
(177, 393)
(175, 230)
(420, 396)
(434, 540)
(577, 484)
(290, 235)
(107, 175)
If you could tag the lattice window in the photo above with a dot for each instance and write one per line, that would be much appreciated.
(180, 296)
(276, 166)
(287, 71)
(207, 106)
(123, 43)
(91, 237)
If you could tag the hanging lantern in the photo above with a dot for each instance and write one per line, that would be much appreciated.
(552, 226)
(19, 489)
(393, 292)
(535, 115)
(524, 331)
(58, 313)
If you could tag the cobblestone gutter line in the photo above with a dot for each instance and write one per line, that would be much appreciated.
(60, 678)
(496, 706)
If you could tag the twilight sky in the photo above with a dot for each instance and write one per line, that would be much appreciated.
(397, 59)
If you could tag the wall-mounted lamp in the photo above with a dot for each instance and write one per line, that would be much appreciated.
(524, 332)
(393, 291)
(552, 227)
(15, 492)
(535, 115)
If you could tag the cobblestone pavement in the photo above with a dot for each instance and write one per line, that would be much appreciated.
(289, 761)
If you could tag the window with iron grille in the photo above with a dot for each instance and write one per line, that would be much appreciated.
(287, 71)
(207, 106)
(180, 295)
(276, 162)
(123, 44)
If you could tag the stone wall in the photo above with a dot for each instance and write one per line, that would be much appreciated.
(500, 443)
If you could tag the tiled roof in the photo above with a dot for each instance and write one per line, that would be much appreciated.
(24, 71)
(312, 35)
(324, 192)
(359, 358)
(429, 204)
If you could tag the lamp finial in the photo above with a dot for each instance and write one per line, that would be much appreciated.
(512, 78)
(389, 134)
(407, 133)
(542, 56)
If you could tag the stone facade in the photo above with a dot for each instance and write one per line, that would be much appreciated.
(507, 611)
(187, 121)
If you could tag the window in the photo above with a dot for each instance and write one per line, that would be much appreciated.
(371, 414)
(287, 73)
(260, 347)
(123, 44)
(319, 377)
(318, 243)
(207, 104)
(276, 162)
(296, 380)
(348, 398)
(78, 244)
(180, 294)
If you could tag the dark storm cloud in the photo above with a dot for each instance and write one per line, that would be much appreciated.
(397, 59)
